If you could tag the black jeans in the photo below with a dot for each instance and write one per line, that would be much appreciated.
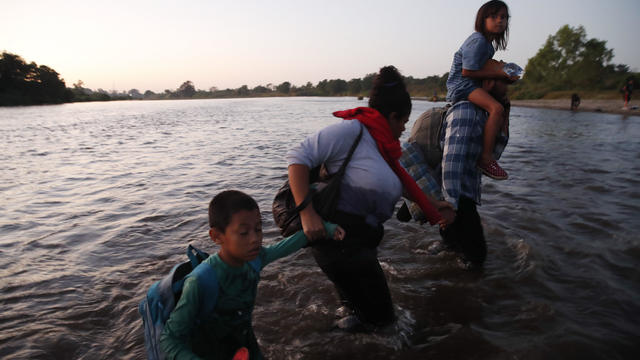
(352, 265)
(466, 235)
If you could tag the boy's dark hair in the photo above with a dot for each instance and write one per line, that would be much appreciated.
(491, 8)
(225, 204)
(389, 93)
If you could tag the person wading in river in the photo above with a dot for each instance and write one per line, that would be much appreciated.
(459, 179)
(373, 183)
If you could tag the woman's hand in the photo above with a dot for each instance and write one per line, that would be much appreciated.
(447, 212)
(308, 221)
(312, 224)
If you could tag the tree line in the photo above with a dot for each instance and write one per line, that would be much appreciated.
(570, 62)
(334, 87)
(29, 84)
(567, 62)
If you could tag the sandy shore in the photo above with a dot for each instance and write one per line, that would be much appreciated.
(605, 106)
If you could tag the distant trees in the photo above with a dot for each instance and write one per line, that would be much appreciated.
(135, 94)
(243, 90)
(354, 86)
(26, 84)
(338, 87)
(428, 87)
(570, 61)
(29, 84)
(186, 90)
(79, 93)
(261, 90)
(284, 88)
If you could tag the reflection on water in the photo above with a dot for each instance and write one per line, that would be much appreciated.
(100, 199)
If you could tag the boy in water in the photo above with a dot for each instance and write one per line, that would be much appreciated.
(236, 226)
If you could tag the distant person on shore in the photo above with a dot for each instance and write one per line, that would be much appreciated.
(575, 102)
(627, 90)
(373, 183)
(235, 225)
(457, 179)
(473, 63)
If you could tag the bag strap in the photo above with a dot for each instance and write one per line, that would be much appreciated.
(256, 264)
(207, 279)
(351, 151)
(443, 116)
(196, 256)
(307, 200)
(208, 283)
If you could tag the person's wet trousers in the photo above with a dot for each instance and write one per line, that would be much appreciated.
(466, 235)
(352, 265)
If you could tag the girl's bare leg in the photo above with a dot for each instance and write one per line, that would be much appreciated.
(483, 99)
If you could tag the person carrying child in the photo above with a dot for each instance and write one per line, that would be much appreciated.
(236, 226)
(471, 64)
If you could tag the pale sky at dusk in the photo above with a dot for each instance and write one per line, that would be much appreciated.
(157, 45)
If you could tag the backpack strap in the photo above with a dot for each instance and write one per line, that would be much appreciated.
(309, 198)
(351, 150)
(256, 264)
(196, 256)
(208, 284)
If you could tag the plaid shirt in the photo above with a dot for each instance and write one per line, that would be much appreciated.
(458, 174)
(416, 165)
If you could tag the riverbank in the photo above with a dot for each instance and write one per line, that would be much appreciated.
(610, 106)
(590, 105)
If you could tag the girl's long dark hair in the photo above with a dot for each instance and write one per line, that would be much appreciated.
(491, 8)
(389, 93)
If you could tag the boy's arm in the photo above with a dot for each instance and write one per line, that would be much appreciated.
(178, 329)
(291, 244)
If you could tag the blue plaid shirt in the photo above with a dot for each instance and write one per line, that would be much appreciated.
(458, 174)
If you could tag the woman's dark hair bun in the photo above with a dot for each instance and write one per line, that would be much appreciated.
(389, 76)
(389, 93)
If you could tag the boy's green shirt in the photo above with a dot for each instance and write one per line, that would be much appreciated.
(230, 327)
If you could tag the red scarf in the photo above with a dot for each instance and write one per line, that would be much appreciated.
(390, 150)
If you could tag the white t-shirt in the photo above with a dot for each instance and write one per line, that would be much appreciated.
(369, 188)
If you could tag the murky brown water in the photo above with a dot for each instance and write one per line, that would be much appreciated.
(99, 200)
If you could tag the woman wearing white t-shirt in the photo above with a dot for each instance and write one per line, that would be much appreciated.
(372, 184)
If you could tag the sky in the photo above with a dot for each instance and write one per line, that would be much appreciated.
(157, 45)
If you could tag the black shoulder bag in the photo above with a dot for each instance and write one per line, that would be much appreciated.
(324, 191)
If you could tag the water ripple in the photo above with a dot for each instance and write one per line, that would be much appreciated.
(101, 199)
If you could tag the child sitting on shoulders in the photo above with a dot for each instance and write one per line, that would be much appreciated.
(473, 63)
(236, 226)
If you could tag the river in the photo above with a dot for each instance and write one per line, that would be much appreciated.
(99, 200)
